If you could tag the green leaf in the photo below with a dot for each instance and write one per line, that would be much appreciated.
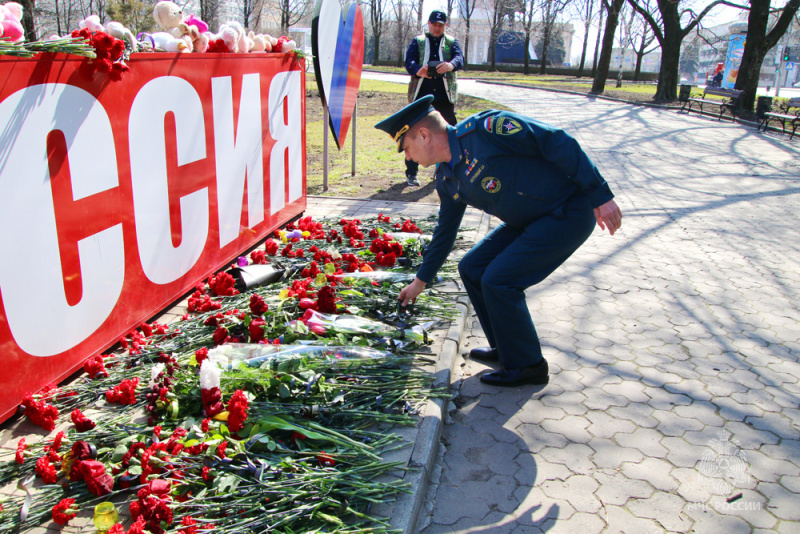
(119, 452)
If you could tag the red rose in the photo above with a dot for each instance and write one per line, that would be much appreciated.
(220, 335)
(97, 480)
(256, 329)
(212, 401)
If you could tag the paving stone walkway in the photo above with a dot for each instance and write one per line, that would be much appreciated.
(673, 404)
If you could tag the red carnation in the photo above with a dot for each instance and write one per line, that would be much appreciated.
(64, 511)
(46, 471)
(200, 355)
(20, 456)
(217, 46)
(271, 247)
(222, 284)
(82, 423)
(237, 411)
(257, 305)
(326, 300)
(94, 367)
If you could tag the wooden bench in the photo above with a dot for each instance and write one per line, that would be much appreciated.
(783, 113)
(729, 102)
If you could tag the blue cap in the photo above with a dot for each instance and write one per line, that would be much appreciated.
(398, 124)
(437, 16)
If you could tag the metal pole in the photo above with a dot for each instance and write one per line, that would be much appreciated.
(353, 149)
(325, 148)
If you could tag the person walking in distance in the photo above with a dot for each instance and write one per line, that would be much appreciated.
(432, 60)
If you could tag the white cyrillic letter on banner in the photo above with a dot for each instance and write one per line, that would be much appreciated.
(238, 154)
(286, 128)
(161, 261)
(31, 278)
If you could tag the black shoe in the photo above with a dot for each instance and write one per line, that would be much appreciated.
(484, 354)
(412, 180)
(531, 374)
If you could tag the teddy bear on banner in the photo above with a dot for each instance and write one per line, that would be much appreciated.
(190, 30)
(11, 22)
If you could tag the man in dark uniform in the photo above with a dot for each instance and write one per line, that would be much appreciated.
(432, 60)
(539, 182)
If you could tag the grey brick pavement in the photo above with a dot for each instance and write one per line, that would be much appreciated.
(673, 346)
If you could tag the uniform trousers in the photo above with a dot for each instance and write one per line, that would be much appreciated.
(497, 271)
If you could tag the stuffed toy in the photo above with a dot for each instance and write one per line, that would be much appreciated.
(284, 44)
(92, 23)
(11, 22)
(116, 29)
(261, 42)
(167, 42)
(228, 37)
(201, 38)
(169, 17)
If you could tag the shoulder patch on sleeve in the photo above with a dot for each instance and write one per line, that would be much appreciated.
(463, 128)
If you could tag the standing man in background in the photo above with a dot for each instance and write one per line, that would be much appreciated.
(432, 60)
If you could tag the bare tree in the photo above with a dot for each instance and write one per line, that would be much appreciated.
(498, 12)
(759, 40)
(586, 10)
(291, 12)
(377, 12)
(135, 15)
(670, 34)
(645, 38)
(405, 17)
(209, 12)
(466, 8)
(551, 10)
(597, 41)
(604, 62)
(526, 10)
(250, 12)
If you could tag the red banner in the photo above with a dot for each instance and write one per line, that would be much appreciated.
(117, 197)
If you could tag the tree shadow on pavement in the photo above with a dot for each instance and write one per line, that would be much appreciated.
(489, 473)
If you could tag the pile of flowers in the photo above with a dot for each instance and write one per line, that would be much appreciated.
(263, 409)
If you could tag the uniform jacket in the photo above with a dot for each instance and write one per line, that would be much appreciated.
(510, 166)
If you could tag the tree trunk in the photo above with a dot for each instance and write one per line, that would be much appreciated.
(28, 23)
(585, 42)
(597, 43)
(527, 68)
(667, 88)
(466, 46)
(492, 45)
(599, 83)
(545, 46)
(638, 70)
(757, 44)
(376, 48)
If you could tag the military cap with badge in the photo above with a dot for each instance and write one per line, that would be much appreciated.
(398, 124)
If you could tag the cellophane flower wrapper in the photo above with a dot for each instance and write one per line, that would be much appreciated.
(286, 358)
(352, 324)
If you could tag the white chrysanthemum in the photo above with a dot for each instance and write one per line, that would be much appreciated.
(209, 374)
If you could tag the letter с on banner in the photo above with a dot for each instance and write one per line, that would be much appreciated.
(117, 197)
